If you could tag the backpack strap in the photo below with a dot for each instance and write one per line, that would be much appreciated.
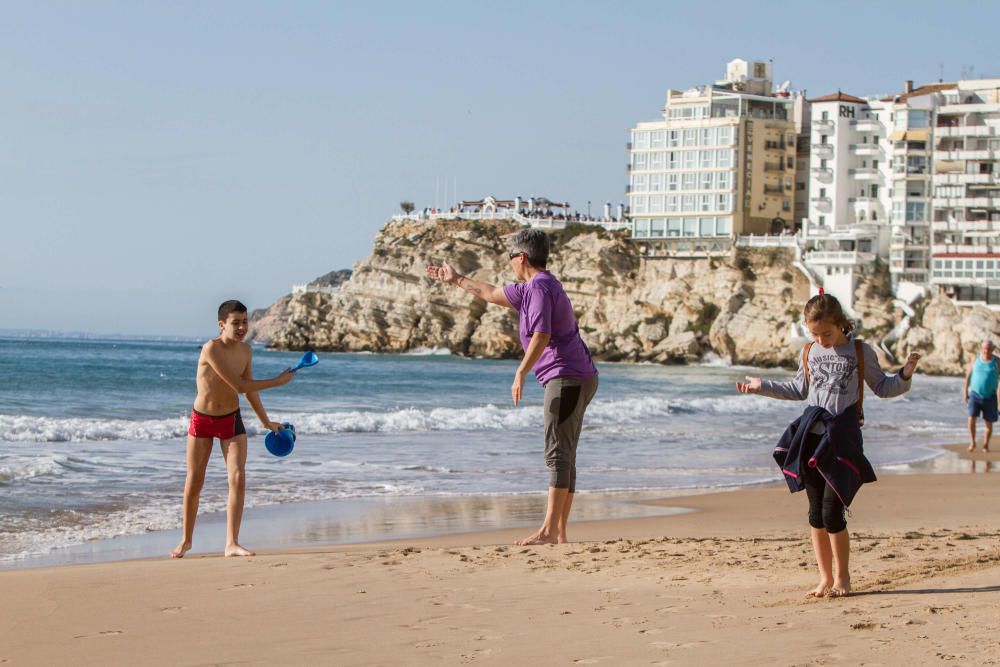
(805, 360)
(859, 352)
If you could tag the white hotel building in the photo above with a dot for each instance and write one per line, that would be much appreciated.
(721, 162)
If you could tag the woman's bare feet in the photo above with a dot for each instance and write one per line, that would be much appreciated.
(971, 448)
(237, 550)
(820, 591)
(181, 549)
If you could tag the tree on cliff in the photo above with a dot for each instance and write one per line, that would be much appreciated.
(407, 207)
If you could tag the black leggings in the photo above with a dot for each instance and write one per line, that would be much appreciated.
(825, 509)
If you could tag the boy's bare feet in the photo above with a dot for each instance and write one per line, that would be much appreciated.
(237, 550)
(841, 589)
(540, 537)
(181, 549)
(972, 447)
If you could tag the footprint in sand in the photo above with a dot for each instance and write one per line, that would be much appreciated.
(235, 586)
(172, 610)
(476, 655)
(102, 633)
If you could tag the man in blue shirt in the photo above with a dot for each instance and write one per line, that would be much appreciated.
(981, 393)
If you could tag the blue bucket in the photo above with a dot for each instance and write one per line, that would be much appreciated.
(281, 443)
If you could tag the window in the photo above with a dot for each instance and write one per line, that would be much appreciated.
(690, 181)
(690, 226)
(670, 203)
(672, 181)
(707, 180)
(656, 204)
(708, 136)
(657, 160)
(690, 137)
(707, 159)
(690, 159)
(724, 180)
(707, 227)
(641, 139)
(822, 221)
(656, 182)
(724, 158)
(822, 139)
(657, 139)
(822, 163)
(639, 160)
(917, 118)
(687, 202)
(639, 203)
(639, 182)
(674, 138)
(822, 193)
(705, 203)
(724, 202)
(723, 226)
(673, 160)
(825, 115)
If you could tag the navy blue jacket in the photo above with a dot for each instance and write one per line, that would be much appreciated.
(839, 457)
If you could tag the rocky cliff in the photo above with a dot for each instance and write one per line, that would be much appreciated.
(744, 308)
(266, 322)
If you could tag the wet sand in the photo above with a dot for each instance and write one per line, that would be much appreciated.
(722, 584)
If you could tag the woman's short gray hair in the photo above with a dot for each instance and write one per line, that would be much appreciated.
(534, 243)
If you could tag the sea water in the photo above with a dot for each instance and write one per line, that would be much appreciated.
(92, 433)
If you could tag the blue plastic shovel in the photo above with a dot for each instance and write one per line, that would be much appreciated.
(308, 359)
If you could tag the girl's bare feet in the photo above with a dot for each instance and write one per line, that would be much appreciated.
(820, 591)
(841, 589)
(181, 549)
(237, 550)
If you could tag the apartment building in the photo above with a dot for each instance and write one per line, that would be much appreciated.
(846, 227)
(720, 163)
(966, 193)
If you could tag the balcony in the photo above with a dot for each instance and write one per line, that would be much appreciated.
(966, 202)
(967, 179)
(866, 125)
(774, 146)
(822, 203)
(965, 131)
(963, 249)
(822, 150)
(839, 258)
(965, 154)
(823, 174)
(823, 125)
(773, 167)
(949, 109)
(864, 173)
(866, 149)
(976, 227)
(774, 190)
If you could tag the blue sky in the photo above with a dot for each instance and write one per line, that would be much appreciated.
(158, 158)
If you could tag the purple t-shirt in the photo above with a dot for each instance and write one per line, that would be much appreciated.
(544, 307)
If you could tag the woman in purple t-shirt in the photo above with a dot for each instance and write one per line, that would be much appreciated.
(559, 357)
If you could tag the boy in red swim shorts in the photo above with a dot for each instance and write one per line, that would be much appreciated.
(224, 372)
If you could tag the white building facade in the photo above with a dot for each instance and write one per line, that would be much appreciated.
(966, 193)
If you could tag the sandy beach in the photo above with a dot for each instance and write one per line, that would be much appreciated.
(722, 584)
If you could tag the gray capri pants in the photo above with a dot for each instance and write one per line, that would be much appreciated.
(566, 399)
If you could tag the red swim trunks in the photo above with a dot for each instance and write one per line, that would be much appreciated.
(224, 427)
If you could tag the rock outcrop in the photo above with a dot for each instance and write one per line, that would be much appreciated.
(265, 323)
(745, 308)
